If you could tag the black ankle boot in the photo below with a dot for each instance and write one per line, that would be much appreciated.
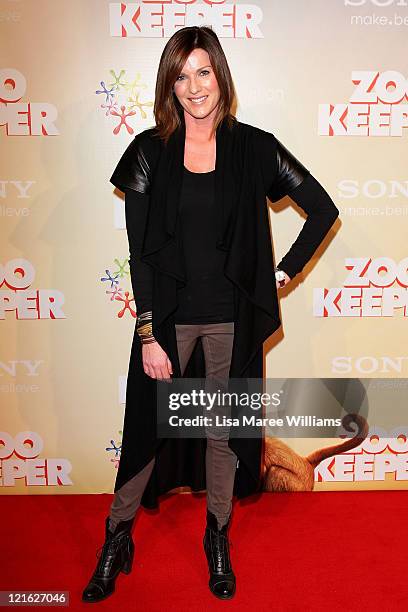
(116, 556)
(216, 546)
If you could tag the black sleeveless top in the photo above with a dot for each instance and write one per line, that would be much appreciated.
(208, 296)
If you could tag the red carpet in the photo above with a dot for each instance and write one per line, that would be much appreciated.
(290, 551)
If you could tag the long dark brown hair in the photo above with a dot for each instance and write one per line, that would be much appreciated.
(167, 109)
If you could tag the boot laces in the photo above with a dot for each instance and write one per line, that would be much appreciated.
(221, 551)
(110, 546)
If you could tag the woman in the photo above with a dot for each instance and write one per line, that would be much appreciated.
(201, 267)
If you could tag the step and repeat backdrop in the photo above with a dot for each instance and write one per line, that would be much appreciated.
(77, 80)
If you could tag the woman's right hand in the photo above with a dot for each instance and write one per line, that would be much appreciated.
(156, 364)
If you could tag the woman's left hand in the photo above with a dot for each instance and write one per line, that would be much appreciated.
(280, 284)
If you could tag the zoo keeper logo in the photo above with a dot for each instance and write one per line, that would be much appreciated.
(377, 107)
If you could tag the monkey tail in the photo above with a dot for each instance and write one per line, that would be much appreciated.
(323, 453)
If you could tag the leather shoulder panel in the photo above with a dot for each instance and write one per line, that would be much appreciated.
(290, 172)
(133, 170)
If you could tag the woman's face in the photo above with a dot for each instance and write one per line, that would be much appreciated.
(196, 87)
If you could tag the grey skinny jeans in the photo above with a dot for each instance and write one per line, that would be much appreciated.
(220, 460)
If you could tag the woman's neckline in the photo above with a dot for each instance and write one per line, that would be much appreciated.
(200, 173)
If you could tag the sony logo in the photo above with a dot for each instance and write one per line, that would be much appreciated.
(372, 188)
(380, 3)
(22, 366)
(20, 186)
(368, 364)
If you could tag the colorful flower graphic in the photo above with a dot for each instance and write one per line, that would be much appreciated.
(122, 100)
(120, 287)
(116, 449)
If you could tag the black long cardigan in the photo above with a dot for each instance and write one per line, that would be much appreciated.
(251, 165)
